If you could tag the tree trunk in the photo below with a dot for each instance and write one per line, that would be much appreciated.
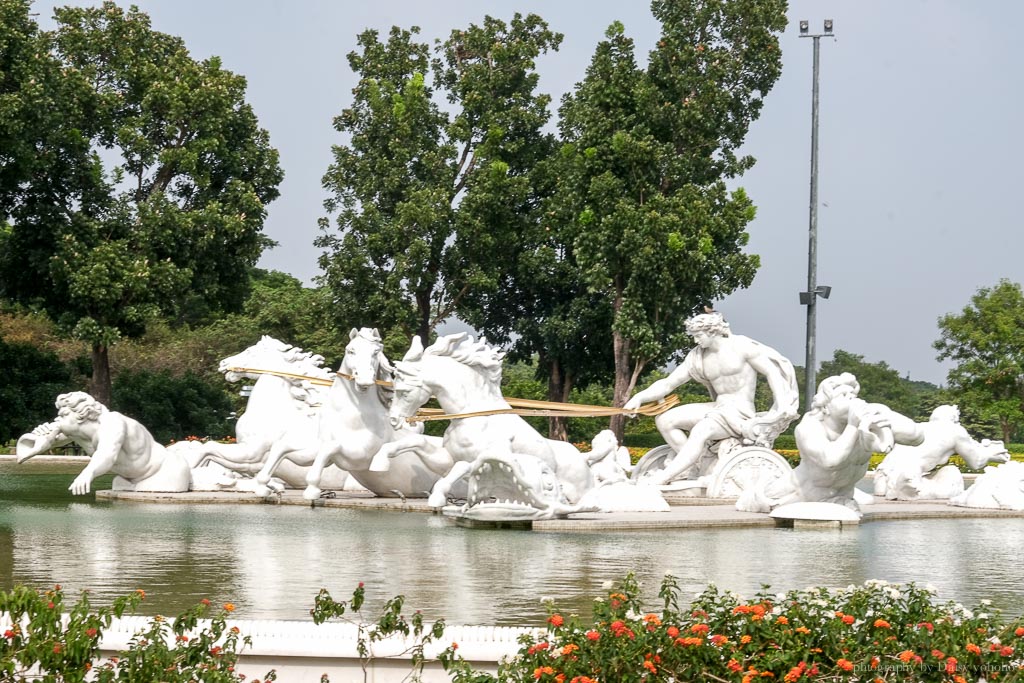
(99, 385)
(423, 315)
(623, 384)
(1004, 425)
(559, 388)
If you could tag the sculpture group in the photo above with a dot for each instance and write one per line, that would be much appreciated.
(305, 426)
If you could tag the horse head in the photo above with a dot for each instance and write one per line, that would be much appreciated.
(265, 354)
(410, 392)
(364, 359)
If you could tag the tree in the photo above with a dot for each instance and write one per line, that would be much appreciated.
(32, 380)
(882, 384)
(986, 340)
(657, 233)
(173, 407)
(427, 200)
(178, 215)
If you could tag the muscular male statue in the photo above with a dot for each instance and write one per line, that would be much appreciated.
(727, 365)
(117, 444)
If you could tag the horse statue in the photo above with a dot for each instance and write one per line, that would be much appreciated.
(466, 376)
(281, 414)
(352, 426)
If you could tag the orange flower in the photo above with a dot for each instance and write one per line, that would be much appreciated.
(734, 666)
(1019, 632)
(593, 635)
(905, 656)
(91, 632)
(875, 661)
(882, 623)
(570, 648)
(700, 629)
(560, 678)
(802, 629)
(848, 619)
(652, 619)
(959, 679)
(649, 665)
(689, 641)
(782, 620)
(542, 670)
(455, 646)
(556, 620)
(1006, 651)
(928, 626)
(758, 610)
(582, 679)
(938, 654)
(57, 648)
(973, 649)
(672, 631)
(845, 664)
(742, 609)
(141, 593)
(951, 665)
(744, 639)
(228, 607)
(718, 639)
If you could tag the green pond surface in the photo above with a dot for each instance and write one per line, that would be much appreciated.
(270, 561)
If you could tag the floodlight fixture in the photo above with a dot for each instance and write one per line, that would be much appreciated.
(828, 27)
(804, 27)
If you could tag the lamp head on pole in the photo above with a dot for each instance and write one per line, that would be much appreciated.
(804, 27)
(828, 27)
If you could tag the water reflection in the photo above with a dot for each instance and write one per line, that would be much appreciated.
(270, 560)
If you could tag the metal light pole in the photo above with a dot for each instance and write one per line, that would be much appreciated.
(809, 298)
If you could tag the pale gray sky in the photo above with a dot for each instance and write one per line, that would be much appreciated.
(920, 145)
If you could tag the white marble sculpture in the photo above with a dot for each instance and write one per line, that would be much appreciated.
(922, 472)
(466, 376)
(728, 365)
(609, 462)
(116, 442)
(280, 416)
(998, 487)
(836, 439)
(354, 424)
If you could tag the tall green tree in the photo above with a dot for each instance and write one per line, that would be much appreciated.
(427, 197)
(647, 155)
(986, 341)
(179, 213)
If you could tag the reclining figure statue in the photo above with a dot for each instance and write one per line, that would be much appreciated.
(116, 442)
(923, 472)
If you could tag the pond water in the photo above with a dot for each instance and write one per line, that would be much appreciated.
(270, 561)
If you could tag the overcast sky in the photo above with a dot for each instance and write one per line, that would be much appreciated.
(920, 146)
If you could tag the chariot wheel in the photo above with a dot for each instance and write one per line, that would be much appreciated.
(651, 461)
(745, 468)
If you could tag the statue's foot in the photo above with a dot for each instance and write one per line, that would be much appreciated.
(436, 499)
(312, 492)
(262, 491)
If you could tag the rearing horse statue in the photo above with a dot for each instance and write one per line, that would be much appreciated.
(466, 377)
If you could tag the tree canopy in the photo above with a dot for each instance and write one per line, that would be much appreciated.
(152, 189)
(427, 197)
(986, 341)
(642, 193)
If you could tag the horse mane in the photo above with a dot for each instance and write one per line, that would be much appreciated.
(481, 355)
(299, 362)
